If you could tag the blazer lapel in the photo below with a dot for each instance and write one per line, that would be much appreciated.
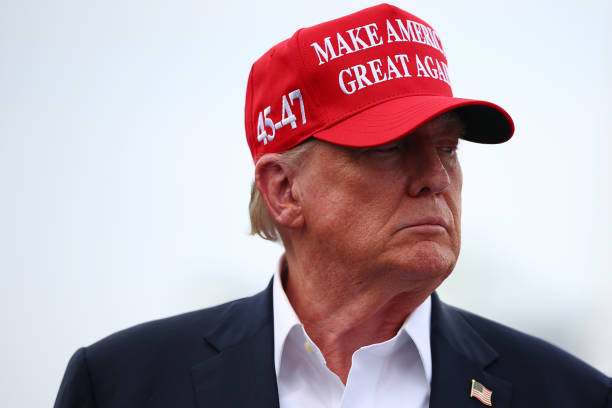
(459, 355)
(242, 373)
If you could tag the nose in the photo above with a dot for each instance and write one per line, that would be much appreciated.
(427, 173)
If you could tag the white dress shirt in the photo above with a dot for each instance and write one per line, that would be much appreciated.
(395, 373)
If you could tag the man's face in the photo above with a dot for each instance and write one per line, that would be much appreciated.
(393, 211)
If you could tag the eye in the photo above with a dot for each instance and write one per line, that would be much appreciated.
(448, 149)
(385, 149)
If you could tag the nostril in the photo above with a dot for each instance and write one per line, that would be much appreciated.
(430, 178)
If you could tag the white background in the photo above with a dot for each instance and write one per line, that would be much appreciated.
(124, 173)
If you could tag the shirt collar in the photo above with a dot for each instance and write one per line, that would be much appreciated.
(417, 325)
(284, 315)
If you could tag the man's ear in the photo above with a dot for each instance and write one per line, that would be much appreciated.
(274, 179)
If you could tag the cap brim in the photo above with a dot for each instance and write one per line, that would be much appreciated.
(390, 120)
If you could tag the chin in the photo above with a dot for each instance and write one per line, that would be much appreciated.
(427, 260)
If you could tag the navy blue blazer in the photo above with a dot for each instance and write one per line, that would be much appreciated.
(223, 357)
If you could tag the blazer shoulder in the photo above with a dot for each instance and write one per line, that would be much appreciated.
(528, 352)
(152, 362)
(171, 341)
(167, 333)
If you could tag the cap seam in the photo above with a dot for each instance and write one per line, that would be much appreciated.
(313, 95)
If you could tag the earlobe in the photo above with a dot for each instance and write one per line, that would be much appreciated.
(275, 180)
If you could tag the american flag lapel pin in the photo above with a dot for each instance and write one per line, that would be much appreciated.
(482, 393)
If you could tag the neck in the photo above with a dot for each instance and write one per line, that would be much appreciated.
(342, 313)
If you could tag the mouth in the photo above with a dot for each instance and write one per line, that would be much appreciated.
(427, 223)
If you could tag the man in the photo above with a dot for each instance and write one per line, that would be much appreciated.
(353, 130)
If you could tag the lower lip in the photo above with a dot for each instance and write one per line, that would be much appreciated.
(426, 228)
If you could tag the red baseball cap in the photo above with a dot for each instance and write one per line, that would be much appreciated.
(361, 80)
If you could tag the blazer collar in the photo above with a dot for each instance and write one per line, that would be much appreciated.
(460, 354)
(242, 373)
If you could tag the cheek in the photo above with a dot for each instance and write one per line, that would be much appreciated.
(326, 206)
(348, 216)
(455, 202)
(459, 177)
